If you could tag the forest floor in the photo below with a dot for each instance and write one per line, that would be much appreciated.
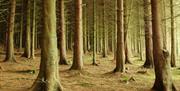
(20, 76)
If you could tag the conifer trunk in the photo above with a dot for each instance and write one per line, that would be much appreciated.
(10, 33)
(48, 77)
(163, 79)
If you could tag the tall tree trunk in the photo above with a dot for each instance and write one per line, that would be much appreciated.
(33, 30)
(163, 79)
(94, 34)
(164, 24)
(120, 58)
(104, 31)
(84, 26)
(62, 40)
(78, 41)
(10, 35)
(27, 50)
(127, 58)
(148, 35)
(48, 78)
(173, 37)
(22, 26)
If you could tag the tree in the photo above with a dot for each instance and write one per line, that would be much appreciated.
(104, 31)
(78, 41)
(22, 26)
(163, 80)
(48, 77)
(94, 34)
(62, 40)
(10, 37)
(148, 35)
(120, 58)
(33, 28)
(27, 50)
(127, 57)
(173, 37)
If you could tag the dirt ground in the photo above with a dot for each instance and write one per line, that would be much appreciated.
(20, 76)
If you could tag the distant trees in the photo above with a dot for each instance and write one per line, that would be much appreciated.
(93, 27)
(10, 33)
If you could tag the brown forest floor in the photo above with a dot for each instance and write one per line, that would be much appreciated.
(18, 76)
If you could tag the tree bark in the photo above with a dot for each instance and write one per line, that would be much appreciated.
(120, 58)
(78, 41)
(163, 79)
(48, 77)
(62, 40)
(148, 35)
(10, 33)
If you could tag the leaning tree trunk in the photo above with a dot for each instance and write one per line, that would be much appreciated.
(10, 34)
(27, 49)
(62, 40)
(173, 37)
(48, 78)
(163, 79)
(120, 58)
(148, 35)
(78, 41)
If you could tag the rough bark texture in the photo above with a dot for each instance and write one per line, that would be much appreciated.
(120, 58)
(10, 33)
(62, 40)
(27, 49)
(163, 80)
(48, 78)
(173, 37)
(78, 41)
(148, 35)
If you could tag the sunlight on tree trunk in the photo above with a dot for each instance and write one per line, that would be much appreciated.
(10, 35)
(78, 41)
(48, 77)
